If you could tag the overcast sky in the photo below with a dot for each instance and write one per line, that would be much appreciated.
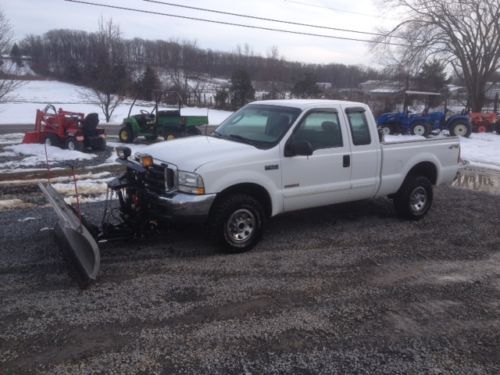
(39, 16)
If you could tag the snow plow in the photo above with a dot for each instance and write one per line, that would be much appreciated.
(79, 239)
(71, 130)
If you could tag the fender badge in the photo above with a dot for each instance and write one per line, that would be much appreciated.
(271, 167)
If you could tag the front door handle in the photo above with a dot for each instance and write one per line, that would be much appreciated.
(346, 161)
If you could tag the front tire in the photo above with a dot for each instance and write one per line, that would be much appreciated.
(236, 223)
(126, 135)
(52, 140)
(460, 129)
(414, 198)
(420, 128)
(73, 145)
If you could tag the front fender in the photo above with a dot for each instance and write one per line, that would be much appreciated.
(230, 179)
(458, 118)
(134, 125)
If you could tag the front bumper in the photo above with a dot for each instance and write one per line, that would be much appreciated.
(178, 206)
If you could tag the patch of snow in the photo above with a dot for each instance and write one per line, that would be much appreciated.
(29, 218)
(395, 138)
(95, 198)
(36, 155)
(481, 149)
(7, 154)
(11, 138)
(45, 229)
(78, 176)
(85, 187)
(8, 204)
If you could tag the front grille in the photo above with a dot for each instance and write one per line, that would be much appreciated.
(159, 178)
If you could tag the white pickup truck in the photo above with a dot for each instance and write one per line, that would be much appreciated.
(273, 157)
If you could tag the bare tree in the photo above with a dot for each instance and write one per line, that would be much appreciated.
(462, 33)
(110, 74)
(7, 84)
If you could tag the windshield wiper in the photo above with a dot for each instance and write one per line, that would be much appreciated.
(240, 138)
(215, 133)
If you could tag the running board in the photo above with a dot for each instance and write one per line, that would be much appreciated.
(73, 236)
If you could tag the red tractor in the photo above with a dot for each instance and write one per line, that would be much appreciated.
(485, 122)
(71, 130)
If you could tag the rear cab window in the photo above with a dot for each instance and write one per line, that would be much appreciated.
(358, 124)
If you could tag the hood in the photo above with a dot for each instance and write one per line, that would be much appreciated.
(190, 153)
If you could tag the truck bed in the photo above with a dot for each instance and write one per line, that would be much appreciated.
(398, 157)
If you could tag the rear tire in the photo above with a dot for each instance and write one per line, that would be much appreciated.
(193, 130)
(414, 198)
(52, 140)
(460, 129)
(126, 135)
(236, 223)
(99, 145)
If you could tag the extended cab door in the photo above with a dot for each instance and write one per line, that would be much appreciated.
(325, 176)
(365, 153)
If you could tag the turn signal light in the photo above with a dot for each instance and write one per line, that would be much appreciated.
(147, 161)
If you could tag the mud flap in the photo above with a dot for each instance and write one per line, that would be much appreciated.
(73, 236)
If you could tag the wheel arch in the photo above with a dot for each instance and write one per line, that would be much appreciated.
(254, 190)
(426, 169)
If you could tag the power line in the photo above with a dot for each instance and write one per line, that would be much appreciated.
(330, 8)
(228, 23)
(263, 18)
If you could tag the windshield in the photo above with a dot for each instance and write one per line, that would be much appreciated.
(259, 125)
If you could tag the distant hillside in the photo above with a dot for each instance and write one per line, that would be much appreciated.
(72, 55)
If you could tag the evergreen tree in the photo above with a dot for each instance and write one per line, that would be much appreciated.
(241, 90)
(306, 88)
(147, 84)
(15, 54)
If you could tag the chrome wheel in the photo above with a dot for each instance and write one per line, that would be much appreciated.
(240, 227)
(418, 200)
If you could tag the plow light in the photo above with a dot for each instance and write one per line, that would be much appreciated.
(123, 152)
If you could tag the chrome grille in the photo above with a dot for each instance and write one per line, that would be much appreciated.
(160, 178)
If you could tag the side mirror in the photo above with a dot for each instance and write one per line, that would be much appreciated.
(298, 148)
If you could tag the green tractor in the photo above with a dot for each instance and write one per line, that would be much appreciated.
(167, 122)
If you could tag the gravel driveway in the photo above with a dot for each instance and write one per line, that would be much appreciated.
(343, 289)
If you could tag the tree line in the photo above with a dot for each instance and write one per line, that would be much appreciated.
(84, 57)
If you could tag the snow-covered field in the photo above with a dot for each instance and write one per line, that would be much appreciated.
(33, 95)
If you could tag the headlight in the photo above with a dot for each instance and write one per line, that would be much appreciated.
(191, 183)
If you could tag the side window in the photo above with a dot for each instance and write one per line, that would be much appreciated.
(320, 129)
(359, 128)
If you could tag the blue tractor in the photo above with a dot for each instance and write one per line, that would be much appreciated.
(423, 123)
